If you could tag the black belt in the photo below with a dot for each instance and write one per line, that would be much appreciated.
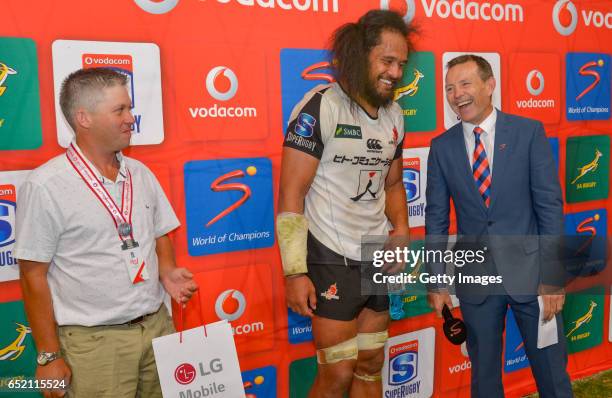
(138, 320)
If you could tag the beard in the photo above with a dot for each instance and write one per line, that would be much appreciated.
(374, 97)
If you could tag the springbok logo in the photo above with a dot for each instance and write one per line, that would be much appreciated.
(535, 82)
(410, 9)
(15, 349)
(565, 27)
(410, 89)
(586, 318)
(589, 167)
(156, 7)
(5, 70)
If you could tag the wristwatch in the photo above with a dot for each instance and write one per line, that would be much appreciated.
(45, 358)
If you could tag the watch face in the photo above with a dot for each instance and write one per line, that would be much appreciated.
(42, 359)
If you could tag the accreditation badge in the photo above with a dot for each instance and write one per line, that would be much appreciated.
(134, 261)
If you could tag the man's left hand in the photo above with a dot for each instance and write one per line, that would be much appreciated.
(179, 284)
(553, 304)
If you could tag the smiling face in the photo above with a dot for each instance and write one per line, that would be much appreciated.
(468, 94)
(111, 120)
(385, 68)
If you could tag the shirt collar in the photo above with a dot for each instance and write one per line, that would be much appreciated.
(122, 166)
(488, 125)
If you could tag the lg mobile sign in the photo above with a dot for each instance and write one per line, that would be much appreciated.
(139, 62)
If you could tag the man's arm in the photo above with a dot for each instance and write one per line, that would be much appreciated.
(178, 282)
(548, 207)
(437, 221)
(298, 170)
(396, 209)
(39, 309)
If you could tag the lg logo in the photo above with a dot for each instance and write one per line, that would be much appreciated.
(212, 82)
(184, 374)
(230, 305)
(156, 7)
(535, 82)
(565, 27)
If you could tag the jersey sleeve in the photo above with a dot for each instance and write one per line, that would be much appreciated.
(308, 126)
(401, 136)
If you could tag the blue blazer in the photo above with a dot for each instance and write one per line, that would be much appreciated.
(525, 202)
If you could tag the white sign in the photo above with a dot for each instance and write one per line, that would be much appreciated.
(10, 181)
(408, 370)
(138, 61)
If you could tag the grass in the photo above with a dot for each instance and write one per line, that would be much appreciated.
(596, 386)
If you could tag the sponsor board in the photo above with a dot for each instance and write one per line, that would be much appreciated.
(20, 122)
(228, 205)
(139, 62)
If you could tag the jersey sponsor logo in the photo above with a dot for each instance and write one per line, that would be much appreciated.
(347, 131)
(374, 145)
(588, 86)
(228, 204)
(361, 160)
(370, 182)
(331, 293)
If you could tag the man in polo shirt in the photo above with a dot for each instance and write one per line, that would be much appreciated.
(94, 253)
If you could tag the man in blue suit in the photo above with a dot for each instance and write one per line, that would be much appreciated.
(500, 173)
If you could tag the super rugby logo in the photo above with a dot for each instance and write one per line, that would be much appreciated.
(156, 7)
(565, 17)
(219, 185)
(5, 71)
(7, 217)
(211, 81)
(403, 362)
(535, 82)
(230, 305)
(412, 179)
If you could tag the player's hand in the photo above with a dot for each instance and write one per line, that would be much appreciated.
(438, 299)
(300, 294)
(397, 241)
(56, 370)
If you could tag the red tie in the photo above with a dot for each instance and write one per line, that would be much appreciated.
(480, 168)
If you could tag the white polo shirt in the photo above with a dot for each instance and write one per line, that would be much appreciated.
(60, 221)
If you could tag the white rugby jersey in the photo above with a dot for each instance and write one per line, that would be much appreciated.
(347, 197)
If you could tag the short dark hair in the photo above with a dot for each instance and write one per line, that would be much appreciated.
(351, 44)
(83, 88)
(484, 67)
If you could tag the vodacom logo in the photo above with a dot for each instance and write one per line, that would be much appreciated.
(156, 7)
(230, 305)
(535, 82)
(212, 83)
(410, 8)
(565, 17)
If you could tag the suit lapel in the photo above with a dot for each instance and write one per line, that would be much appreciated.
(504, 144)
(462, 164)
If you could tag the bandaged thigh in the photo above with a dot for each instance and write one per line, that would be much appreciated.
(346, 350)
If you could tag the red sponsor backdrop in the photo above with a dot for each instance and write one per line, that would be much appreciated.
(196, 36)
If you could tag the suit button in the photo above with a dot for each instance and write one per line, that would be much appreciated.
(490, 223)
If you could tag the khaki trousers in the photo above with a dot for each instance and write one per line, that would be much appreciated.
(114, 361)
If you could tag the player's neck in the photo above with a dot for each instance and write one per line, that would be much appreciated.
(104, 160)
